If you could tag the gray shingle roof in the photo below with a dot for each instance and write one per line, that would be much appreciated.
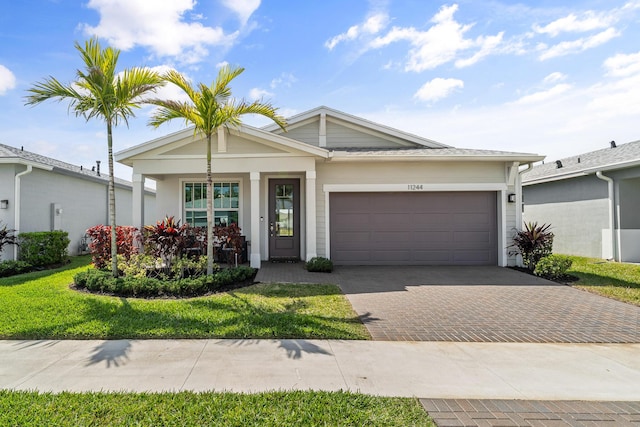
(607, 158)
(430, 152)
(9, 152)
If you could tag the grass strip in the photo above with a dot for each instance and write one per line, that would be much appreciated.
(620, 281)
(304, 408)
(40, 305)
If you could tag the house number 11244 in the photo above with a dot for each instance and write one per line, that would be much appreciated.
(414, 187)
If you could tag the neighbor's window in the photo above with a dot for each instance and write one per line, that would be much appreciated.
(226, 203)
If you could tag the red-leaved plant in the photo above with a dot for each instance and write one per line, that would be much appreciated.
(166, 239)
(100, 245)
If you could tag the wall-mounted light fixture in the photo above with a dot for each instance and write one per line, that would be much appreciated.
(511, 198)
(4, 204)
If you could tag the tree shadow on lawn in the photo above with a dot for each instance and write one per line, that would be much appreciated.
(591, 279)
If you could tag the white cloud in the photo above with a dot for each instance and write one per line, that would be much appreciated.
(544, 95)
(579, 45)
(589, 21)
(157, 25)
(622, 65)
(257, 93)
(441, 43)
(243, 8)
(488, 45)
(555, 77)
(285, 79)
(375, 23)
(7, 80)
(438, 88)
(222, 64)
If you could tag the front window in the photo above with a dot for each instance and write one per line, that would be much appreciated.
(226, 203)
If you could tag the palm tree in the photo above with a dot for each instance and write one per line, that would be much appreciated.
(100, 92)
(208, 108)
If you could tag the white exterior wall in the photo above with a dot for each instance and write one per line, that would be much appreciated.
(442, 173)
(84, 203)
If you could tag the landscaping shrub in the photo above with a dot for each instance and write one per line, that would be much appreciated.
(533, 243)
(44, 247)
(166, 239)
(7, 237)
(319, 264)
(12, 267)
(102, 281)
(553, 267)
(100, 246)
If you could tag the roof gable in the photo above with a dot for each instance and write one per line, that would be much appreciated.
(342, 130)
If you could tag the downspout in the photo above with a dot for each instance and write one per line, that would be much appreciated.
(611, 211)
(16, 209)
(519, 201)
(520, 194)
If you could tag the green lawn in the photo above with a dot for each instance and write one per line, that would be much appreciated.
(616, 280)
(40, 305)
(208, 409)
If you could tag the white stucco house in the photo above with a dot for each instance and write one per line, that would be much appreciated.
(341, 187)
(39, 193)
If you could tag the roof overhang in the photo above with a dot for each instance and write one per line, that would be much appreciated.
(24, 162)
(341, 156)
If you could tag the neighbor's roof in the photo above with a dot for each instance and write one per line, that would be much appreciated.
(622, 156)
(9, 154)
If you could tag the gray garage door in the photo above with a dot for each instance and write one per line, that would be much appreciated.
(422, 228)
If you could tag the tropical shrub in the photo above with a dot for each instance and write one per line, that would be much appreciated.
(166, 239)
(553, 267)
(44, 248)
(13, 267)
(7, 237)
(100, 246)
(533, 243)
(319, 264)
(103, 281)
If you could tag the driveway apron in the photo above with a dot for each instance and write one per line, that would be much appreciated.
(471, 304)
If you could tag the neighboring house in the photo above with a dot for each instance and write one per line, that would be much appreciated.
(591, 200)
(338, 186)
(38, 193)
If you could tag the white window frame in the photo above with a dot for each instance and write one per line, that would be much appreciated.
(231, 180)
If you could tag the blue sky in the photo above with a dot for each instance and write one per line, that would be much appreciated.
(556, 78)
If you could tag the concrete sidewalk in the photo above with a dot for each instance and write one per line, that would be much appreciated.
(421, 369)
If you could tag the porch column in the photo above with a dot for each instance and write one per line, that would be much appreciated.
(137, 201)
(255, 258)
(311, 215)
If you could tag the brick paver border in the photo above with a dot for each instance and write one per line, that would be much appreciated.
(528, 413)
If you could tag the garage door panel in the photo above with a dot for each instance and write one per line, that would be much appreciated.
(424, 228)
(390, 239)
(353, 221)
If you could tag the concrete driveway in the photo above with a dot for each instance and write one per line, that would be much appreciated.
(471, 304)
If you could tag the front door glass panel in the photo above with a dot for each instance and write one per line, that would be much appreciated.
(284, 210)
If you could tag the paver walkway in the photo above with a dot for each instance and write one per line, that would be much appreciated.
(471, 304)
(525, 413)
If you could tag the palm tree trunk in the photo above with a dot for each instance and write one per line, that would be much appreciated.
(112, 203)
(209, 209)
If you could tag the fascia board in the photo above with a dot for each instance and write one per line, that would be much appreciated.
(20, 161)
(338, 157)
